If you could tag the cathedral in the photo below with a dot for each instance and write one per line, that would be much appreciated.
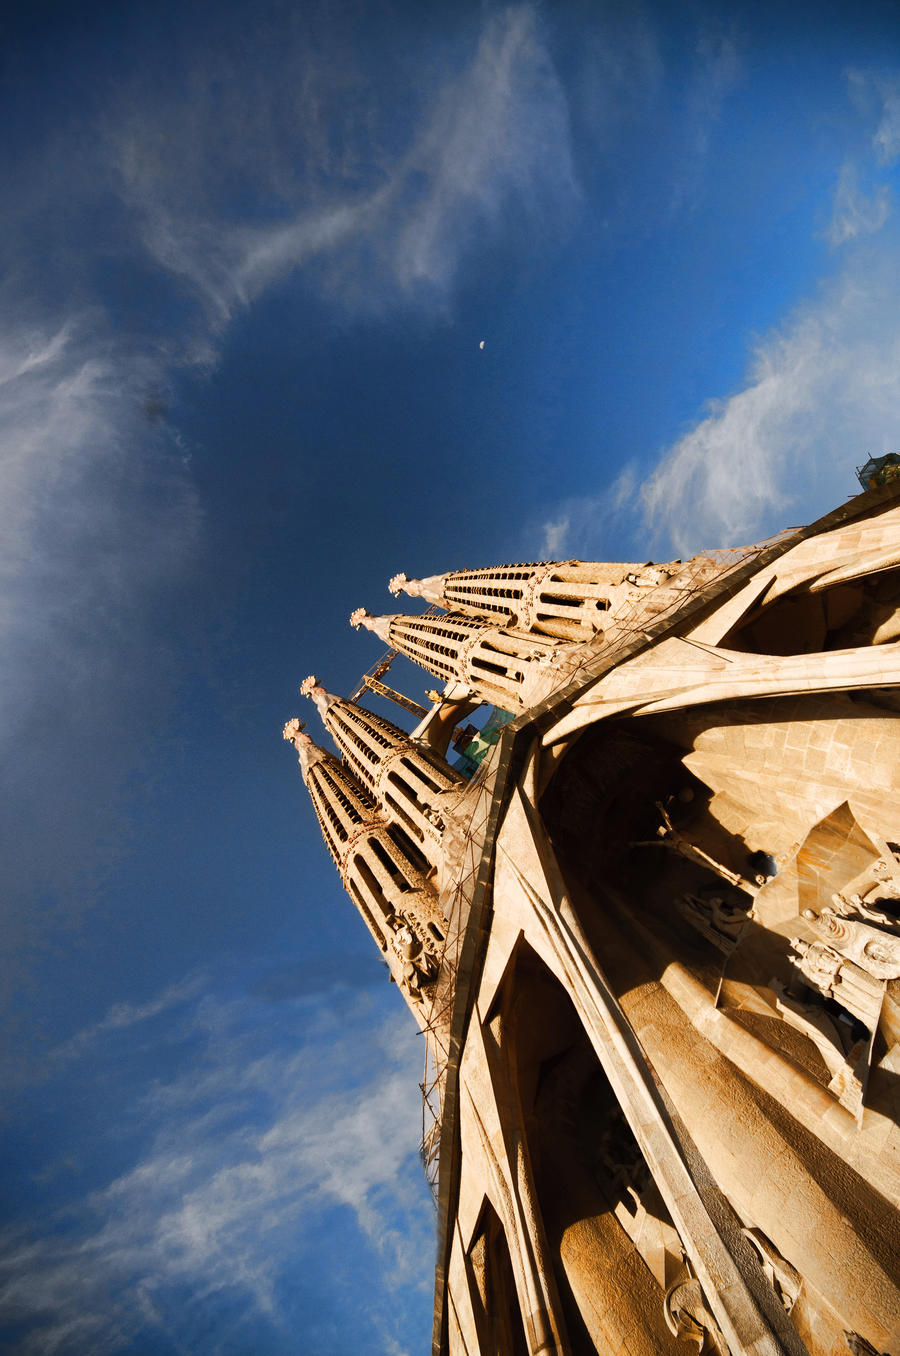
(651, 936)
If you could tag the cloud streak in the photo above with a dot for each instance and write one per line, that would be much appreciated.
(248, 1150)
(823, 394)
(490, 140)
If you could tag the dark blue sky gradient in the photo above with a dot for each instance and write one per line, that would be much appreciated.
(249, 255)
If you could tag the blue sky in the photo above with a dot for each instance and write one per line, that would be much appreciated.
(249, 256)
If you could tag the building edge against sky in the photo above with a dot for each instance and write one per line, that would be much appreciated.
(653, 942)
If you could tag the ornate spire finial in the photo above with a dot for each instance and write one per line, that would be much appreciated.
(293, 729)
(380, 625)
(311, 687)
(308, 752)
(413, 588)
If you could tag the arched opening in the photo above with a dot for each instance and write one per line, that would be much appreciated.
(612, 1245)
(492, 1286)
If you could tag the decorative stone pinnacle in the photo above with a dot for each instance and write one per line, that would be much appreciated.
(308, 752)
(414, 588)
(311, 687)
(294, 729)
(380, 625)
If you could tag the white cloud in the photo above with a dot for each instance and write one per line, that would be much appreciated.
(380, 225)
(853, 213)
(887, 135)
(555, 535)
(823, 394)
(94, 504)
(249, 1148)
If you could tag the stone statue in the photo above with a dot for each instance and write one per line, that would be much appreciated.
(847, 983)
(784, 1279)
(719, 921)
(418, 962)
(872, 949)
(687, 1315)
(854, 906)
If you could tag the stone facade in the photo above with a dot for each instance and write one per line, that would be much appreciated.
(656, 943)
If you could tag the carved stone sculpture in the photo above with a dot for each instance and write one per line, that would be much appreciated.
(873, 950)
(687, 1316)
(419, 963)
(784, 1279)
(854, 906)
(719, 921)
(828, 971)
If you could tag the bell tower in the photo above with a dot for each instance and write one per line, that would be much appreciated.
(567, 600)
(413, 787)
(380, 868)
(496, 663)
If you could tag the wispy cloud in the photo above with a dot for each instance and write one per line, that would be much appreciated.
(590, 526)
(717, 70)
(854, 213)
(383, 220)
(823, 394)
(247, 1151)
(823, 389)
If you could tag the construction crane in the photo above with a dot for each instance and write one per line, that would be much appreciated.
(372, 680)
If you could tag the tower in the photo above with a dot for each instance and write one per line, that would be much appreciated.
(568, 600)
(668, 983)
(412, 786)
(381, 870)
(494, 662)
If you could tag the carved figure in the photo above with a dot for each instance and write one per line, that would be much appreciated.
(827, 970)
(719, 921)
(419, 964)
(854, 906)
(687, 1316)
(870, 948)
(784, 1279)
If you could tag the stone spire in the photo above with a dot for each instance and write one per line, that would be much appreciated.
(309, 753)
(506, 667)
(568, 600)
(381, 869)
(412, 786)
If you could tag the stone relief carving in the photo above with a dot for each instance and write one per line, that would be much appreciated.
(855, 906)
(836, 977)
(417, 954)
(687, 1316)
(721, 921)
(871, 948)
(784, 1279)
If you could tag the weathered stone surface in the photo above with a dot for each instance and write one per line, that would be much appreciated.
(665, 1081)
